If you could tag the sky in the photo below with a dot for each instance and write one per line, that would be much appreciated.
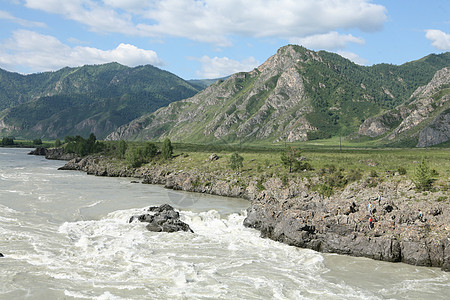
(214, 38)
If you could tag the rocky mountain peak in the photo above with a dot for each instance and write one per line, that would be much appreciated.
(425, 118)
(296, 95)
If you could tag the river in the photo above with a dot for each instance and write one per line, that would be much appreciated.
(65, 235)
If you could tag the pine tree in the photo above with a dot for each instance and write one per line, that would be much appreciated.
(423, 176)
(167, 149)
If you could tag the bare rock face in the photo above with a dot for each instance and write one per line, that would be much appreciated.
(162, 218)
(377, 126)
(437, 132)
(429, 109)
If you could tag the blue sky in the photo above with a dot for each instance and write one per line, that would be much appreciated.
(214, 38)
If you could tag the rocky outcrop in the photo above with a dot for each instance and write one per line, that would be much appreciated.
(379, 125)
(437, 132)
(100, 166)
(414, 232)
(53, 153)
(162, 218)
(426, 117)
(38, 151)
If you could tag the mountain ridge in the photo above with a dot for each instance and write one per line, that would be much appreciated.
(91, 98)
(296, 95)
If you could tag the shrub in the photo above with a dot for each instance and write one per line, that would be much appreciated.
(150, 150)
(401, 171)
(8, 141)
(134, 157)
(423, 176)
(354, 175)
(325, 190)
(292, 158)
(236, 161)
(260, 185)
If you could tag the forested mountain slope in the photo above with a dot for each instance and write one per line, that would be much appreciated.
(95, 98)
(297, 94)
(424, 120)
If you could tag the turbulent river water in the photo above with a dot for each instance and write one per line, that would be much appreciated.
(65, 235)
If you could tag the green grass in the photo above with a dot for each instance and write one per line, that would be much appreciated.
(260, 160)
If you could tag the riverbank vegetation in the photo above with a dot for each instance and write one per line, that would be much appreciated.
(327, 166)
(335, 168)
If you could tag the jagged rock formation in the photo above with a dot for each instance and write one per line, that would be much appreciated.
(425, 118)
(162, 218)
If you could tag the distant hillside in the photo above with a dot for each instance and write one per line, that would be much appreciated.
(204, 83)
(96, 99)
(296, 95)
(422, 121)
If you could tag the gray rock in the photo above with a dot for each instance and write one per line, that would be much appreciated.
(213, 157)
(162, 218)
(336, 225)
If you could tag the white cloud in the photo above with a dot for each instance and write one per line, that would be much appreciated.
(440, 40)
(42, 53)
(328, 41)
(223, 66)
(7, 16)
(216, 21)
(353, 57)
(97, 16)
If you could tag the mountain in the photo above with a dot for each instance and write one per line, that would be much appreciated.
(204, 83)
(95, 98)
(296, 95)
(423, 121)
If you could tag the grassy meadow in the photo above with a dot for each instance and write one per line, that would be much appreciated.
(263, 160)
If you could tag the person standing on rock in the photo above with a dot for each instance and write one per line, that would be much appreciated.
(369, 207)
(379, 198)
(370, 223)
(420, 217)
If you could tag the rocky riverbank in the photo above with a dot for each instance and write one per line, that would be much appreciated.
(408, 226)
(53, 153)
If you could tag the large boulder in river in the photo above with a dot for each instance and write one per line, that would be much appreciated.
(162, 218)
